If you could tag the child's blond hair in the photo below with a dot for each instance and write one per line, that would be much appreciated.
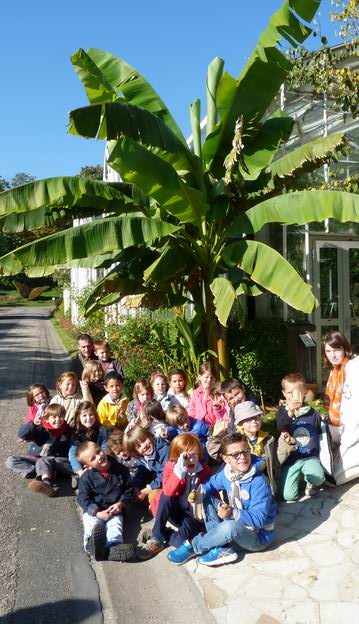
(133, 437)
(67, 375)
(89, 369)
(174, 414)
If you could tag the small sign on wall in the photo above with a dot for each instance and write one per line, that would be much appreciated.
(307, 340)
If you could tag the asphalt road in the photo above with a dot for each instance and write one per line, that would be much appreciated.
(45, 577)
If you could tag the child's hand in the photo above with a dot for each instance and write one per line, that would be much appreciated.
(293, 405)
(164, 433)
(103, 515)
(220, 427)
(224, 511)
(287, 437)
(116, 508)
(38, 419)
(84, 385)
(141, 495)
(21, 441)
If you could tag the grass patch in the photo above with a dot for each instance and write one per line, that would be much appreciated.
(66, 331)
(10, 298)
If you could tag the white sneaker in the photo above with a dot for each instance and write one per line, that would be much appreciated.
(311, 490)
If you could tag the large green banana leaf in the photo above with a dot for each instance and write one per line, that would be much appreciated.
(168, 264)
(296, 161)
(259, 153)
(62, 192)
(299, 207)
(271, 271)
(122, 77)
(97, 237)
(158, 179)
(251, 94)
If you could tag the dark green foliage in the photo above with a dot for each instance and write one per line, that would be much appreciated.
(259, 356)
(95, 172)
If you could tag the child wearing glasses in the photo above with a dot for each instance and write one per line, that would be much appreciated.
(243, 517)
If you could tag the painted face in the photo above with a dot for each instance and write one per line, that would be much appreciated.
(103, 354)
(235, 396)
(335, 356)
(97, 374)
(68, 386)
(145, 447)
(251, 426)
(159, 385)
(95, 458)
(177, 383)
(205, 380)
(86, 348)
(293, 391)
(39, 396)
(238, 456)
(55, 420)
(88, 418)
(114, 387)
(144, 395)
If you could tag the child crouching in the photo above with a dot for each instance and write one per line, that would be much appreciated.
(246, 520)
(104, 492)
(184, 472)
(47, 455)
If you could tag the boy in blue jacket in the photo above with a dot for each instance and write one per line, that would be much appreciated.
(104, 492)
(246, 520)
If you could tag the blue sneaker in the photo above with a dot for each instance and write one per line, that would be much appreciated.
(218, 556)
(182, 554)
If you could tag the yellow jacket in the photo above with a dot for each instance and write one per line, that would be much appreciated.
(113, 414)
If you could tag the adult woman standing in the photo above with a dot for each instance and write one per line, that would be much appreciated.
(337, 353)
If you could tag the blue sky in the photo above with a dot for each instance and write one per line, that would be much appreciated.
(170, 43)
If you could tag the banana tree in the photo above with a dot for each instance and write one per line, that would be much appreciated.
(180, 226)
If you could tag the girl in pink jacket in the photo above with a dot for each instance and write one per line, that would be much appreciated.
(201, 406)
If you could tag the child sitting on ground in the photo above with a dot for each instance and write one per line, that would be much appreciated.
(234, 393)
(102, 351)
(142, 392)
(184, 471)
(152, 453)
(177, 393)
(92, 381)
(220, 407)
(158, 381)
(116, 449)
(112, 408)
(48, 453)
(68, 395)
(245, 520)
(299, 426)
(179, 422)
(104, 492)
(38, 398)
(87, 428)
(201, 406)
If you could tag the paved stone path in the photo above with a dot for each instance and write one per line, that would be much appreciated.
(309, 576)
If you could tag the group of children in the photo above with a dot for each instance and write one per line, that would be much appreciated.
(199, 459)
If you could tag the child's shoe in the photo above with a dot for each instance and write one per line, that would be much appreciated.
(43, 486)
(311, 490)
(98, 543)
(121, 552)
(182, 554)
(218, 556)
(149, 549)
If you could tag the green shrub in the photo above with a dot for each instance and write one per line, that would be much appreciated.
(259, 356)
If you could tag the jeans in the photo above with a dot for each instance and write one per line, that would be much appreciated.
(178, 511)
(223, 532)
(114, 529)
(310, 468)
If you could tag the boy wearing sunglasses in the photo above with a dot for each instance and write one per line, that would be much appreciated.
(246, 520)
